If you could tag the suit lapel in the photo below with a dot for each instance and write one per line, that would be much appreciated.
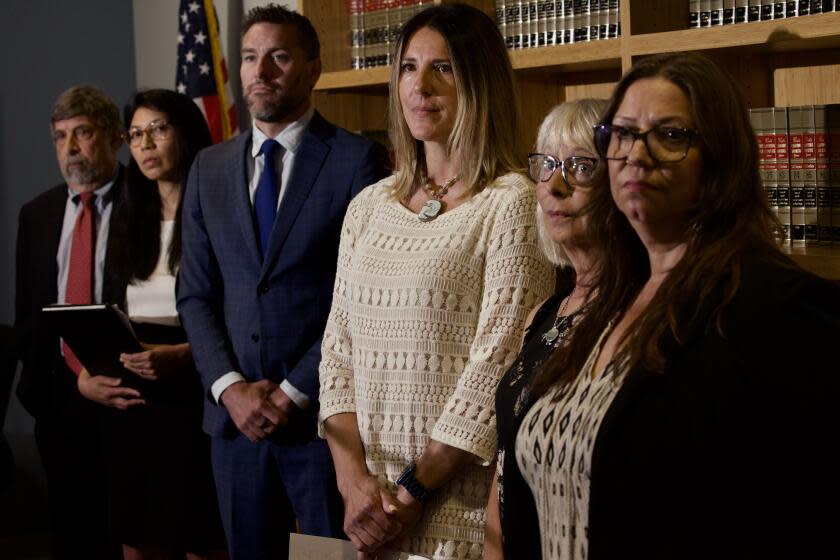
(237, 180)
(53, 223)
(307, 166)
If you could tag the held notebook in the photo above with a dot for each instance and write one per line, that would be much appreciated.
(97, 334)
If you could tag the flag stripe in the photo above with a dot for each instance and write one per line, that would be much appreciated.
(220, 74)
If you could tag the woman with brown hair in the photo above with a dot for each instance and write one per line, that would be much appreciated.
(689, 414)
(438, 267)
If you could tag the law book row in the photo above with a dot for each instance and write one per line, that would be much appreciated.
(376, 24)
(800, 168)
(526, 24)
(709, 13)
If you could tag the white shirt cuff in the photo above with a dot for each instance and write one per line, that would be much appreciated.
(218, 387)
(299, 398)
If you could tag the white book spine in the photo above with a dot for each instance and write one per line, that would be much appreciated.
(693, 13)
(780, 131)
(767, 9)
(796, 118)
(728, 12)
(716, 12)
(705, 13)
(822, 177)
(809, 167)
(754, 10)
(741, 8)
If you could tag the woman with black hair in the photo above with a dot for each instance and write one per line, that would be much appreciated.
(162, 498)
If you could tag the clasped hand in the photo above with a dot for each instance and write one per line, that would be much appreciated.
(374, 517)
(257, 408)
(157, 361)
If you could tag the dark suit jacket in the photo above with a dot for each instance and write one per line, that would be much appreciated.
(39, 232)
(730, 452)
(265, 317)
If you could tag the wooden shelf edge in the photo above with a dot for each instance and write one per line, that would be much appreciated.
(354, 79)
(800, 33)
(820, 259)
(579, 56)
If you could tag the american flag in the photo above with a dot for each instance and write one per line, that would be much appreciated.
(202, 73)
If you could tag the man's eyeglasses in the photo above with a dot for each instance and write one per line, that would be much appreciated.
(665, 144)
(158, 130)
(575, 170)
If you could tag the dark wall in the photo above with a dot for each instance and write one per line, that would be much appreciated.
(47, 46)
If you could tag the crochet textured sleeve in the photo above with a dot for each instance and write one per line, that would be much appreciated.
(337, 391)
(516, 277)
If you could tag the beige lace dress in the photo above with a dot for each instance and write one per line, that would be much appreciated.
(425, 319)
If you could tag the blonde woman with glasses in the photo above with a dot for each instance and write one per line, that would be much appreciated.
(566, 167)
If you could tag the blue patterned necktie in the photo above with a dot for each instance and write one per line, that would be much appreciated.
(265, 199)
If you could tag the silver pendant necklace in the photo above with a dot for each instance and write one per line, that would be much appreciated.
(550, 336)
(435, 205)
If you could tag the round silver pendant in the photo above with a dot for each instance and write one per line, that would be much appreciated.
(551, 335)
(430, 210)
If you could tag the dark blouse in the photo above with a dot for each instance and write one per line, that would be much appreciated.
(517, 512)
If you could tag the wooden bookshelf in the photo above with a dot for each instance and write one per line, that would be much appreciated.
(782, 62)
(806, 33)
(821, 260)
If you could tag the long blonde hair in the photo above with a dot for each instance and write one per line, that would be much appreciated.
(569, 123)
(483, 138)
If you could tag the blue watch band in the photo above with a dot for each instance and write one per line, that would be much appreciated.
(412, 485)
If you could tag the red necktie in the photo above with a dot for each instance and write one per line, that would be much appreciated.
(80, 272)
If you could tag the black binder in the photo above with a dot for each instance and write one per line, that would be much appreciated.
(97, 334)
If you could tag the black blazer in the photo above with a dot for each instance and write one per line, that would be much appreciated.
(728, 454)
(39, 232)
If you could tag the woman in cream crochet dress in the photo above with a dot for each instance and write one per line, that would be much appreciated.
(438, 267)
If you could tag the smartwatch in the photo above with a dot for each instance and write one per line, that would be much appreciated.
(412, 485)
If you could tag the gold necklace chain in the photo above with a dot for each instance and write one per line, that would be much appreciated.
(439, 191)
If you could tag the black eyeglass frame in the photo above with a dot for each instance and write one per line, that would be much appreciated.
(561, 164)
(603, 134)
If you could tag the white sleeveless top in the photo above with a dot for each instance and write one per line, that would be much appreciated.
(153, 300)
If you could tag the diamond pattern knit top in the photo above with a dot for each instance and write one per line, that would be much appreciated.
(425, 319)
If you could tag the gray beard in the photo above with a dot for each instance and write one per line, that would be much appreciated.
(83, 175)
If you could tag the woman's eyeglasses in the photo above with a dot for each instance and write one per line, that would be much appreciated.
(575, 170)
(158, 130)
(665, 144)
